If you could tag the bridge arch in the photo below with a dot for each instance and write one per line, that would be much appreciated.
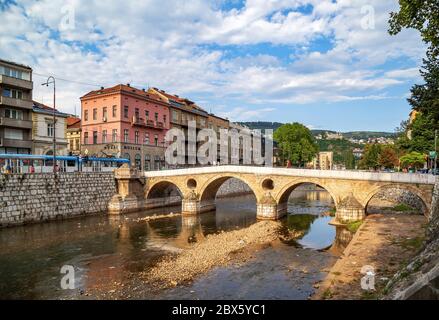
(163, 193)
(209, 189)
(412, 189)
(284, 193)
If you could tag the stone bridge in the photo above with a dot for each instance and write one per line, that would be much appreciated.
(351, 191)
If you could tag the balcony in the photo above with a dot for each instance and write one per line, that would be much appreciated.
(8, 122)
(15, 143)
(17, 103)
(140, 122)
(15, 82)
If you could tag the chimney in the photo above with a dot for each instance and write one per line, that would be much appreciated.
(128, 85)
(102, 88)
(143, 89)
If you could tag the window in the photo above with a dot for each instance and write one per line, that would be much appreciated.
(156, 116)
(125, 112)
(95, 137)
(14, 114)
(104, 136)
(85, 137)
(138, 161)
(164, 119)
(95, 114)
(77, 144)
(114, 135)
(114, 111)
(156, 140)
(104, 113)
(12, 93)
(125, 135)
(174, 116)
(202, 122)
(15, 73)
(136, 137)
(146, 115)
(86, 115)
(146, 138)
(136, 112)
(15, 134)
(50, 129)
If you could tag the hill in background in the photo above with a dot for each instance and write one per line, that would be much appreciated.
(347, 135)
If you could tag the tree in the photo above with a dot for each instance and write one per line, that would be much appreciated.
(413, 159)
(422, 132)
(388, 157)
(349, 159)
(370, 156)
(422, 15)
(295, 143)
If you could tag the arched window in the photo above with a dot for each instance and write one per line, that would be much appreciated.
(138, 161)
(127, 156)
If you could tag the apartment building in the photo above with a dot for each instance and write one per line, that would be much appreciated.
(44, 129)
(15, 108)
(125, 122)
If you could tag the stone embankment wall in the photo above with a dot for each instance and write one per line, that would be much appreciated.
(420, 278)
(390, 197)
(28, 198)
(233, 187)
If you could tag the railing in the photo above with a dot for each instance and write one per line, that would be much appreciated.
(148, 123)
(324, 174)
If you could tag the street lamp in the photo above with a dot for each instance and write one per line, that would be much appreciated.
(51, 80)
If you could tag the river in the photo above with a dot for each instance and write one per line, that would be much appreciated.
(110, 250)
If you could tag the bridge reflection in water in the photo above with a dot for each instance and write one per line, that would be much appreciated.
(107, 249)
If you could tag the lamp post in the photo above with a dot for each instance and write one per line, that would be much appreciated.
(51, 80)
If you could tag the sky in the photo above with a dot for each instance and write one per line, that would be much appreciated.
(324, 63)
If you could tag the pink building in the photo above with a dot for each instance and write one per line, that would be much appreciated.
(126, 122)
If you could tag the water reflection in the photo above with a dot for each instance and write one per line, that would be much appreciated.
(308, 214)
(105, 249)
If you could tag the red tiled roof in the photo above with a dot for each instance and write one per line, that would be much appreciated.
(185, 101)
(123, 88)
(73, 122)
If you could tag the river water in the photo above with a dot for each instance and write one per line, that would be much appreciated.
(107, 250)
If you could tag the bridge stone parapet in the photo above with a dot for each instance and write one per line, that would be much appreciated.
(351, 191)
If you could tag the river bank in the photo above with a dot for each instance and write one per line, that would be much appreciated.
(384, 242)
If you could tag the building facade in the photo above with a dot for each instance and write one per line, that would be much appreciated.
(73, 136)
(182, 111)
(15, 108)
(44, 129)
(125, 122)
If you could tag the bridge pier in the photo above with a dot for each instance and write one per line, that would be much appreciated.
(268, 209)
(129, 197)
(349, 209)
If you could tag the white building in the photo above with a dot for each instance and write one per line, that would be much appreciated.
(43, 130)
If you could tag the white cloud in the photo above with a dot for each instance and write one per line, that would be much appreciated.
(193, 48)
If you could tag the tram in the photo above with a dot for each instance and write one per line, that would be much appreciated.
(29, 163)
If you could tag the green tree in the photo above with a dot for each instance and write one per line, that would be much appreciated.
(422, 132)
(370, 156)
(349, 160)
(295, 143)
(412, 160)
(388, 157)
(422, 15)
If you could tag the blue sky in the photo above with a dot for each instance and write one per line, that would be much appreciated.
(327, 64)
